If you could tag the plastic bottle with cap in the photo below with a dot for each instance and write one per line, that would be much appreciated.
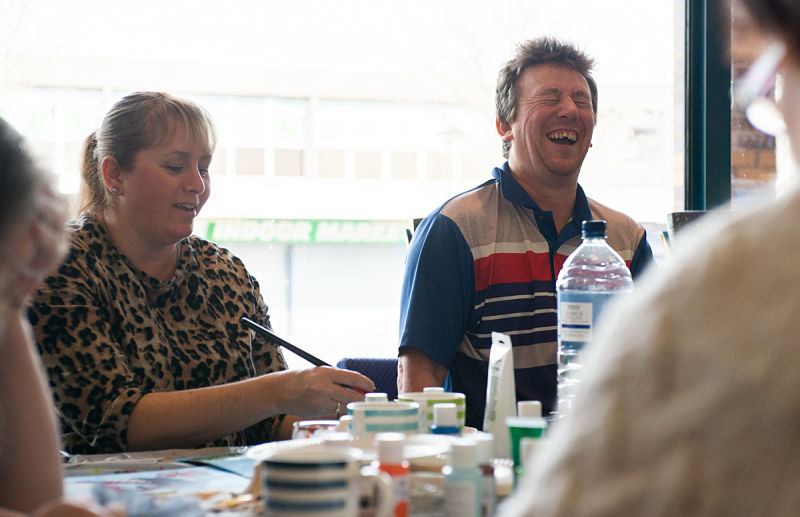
(391, 459)
(488, 485)
(433, 389)
(591, 276)
(527, 424)
(445, 418)
(376, 397)
(462, 480)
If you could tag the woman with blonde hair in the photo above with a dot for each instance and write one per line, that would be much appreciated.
(140, 328)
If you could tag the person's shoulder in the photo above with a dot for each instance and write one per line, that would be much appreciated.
(88, 247)
(212, 255)
(609, 214)
(467, 200)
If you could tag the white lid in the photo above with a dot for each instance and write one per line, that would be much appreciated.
(485, 443)
(390, 447)
(433, 389)
(445, 414)
(376, 397)
(532, 408)
(464, 454)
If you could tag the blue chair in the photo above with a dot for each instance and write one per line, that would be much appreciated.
(381, 371)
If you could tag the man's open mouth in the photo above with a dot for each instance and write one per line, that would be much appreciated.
(563, 137)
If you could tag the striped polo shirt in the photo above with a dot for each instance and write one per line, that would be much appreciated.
(486, 261)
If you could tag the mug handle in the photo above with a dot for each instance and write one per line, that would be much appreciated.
(383, 485)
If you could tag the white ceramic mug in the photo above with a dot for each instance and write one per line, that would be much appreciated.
(377, 417)
(427, 399)
(321, 482)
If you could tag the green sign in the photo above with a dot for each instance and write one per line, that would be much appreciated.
(302, 231)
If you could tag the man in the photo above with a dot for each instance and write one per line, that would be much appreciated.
(487, 259)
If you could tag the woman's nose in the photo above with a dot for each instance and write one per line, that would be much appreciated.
(197, 183)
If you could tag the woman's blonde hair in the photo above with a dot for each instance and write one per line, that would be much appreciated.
(137, 122)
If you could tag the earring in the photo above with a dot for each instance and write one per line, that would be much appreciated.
(115, 190)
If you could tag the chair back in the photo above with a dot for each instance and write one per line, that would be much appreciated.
(382, 371)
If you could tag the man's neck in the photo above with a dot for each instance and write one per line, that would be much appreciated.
(557, 196)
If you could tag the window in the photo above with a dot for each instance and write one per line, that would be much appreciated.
(327, 131)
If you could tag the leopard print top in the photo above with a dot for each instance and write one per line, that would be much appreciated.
(109, 334)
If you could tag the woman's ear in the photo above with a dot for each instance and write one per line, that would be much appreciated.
(112, 174)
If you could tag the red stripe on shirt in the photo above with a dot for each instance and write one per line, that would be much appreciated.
(506, 268)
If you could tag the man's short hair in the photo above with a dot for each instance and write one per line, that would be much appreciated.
(534, 52)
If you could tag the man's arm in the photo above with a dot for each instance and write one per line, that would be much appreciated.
(415, 371)
(436, 299)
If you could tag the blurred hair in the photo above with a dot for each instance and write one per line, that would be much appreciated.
(137, 122)
(780, 18)
(534, 52)
(18, 178)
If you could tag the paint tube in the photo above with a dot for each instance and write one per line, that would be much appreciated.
(501, 400)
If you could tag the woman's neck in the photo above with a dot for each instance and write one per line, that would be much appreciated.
(157, 261)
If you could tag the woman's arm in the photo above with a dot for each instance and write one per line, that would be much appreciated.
(192, 417)
(30, 465)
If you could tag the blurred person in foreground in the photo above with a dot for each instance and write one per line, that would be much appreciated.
(140, 328)
(32, 243)
(487, 259)
(691, 401)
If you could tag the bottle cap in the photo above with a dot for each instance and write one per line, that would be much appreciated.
(529, 408)
(433, 389)
(390, 447)
(445, 414)
(485, 443)
(593, 228)
(463, 454)
(376, 397)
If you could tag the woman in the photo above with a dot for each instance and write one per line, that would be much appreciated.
(32, 243)
(692, 406)
(140, 329)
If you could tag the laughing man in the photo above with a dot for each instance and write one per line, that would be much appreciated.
(487, 259)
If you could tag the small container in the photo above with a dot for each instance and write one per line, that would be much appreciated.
(311, 428)
(520, 427)
(391, 459)
(462, 480)
(432, 389)
(488, 485)
(445, 418)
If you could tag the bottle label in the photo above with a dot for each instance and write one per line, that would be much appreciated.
(578, 314)
(574, 319)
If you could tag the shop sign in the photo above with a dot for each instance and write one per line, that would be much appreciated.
(302, 231)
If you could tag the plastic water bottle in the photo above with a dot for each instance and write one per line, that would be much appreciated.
(590, 277)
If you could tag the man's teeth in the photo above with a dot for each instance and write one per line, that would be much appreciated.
(570, 136)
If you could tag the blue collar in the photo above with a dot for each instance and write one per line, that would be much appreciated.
(514, 193)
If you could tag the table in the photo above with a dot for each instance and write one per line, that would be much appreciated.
(220, 481)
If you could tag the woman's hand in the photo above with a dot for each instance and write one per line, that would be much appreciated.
(322, 390)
